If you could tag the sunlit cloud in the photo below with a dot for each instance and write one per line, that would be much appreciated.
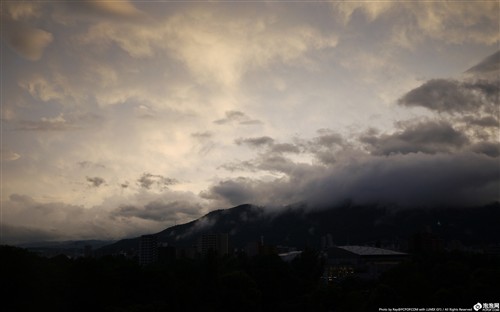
(28, 42)
(122, 118)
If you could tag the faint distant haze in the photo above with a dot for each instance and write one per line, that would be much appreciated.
(124, 117)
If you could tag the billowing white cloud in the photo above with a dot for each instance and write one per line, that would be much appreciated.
(215, 47)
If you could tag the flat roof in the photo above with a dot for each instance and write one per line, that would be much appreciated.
(370, 251)
(289, 256)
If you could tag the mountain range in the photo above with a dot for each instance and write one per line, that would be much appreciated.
(299, 226)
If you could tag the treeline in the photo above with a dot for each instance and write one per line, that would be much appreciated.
(238, 283)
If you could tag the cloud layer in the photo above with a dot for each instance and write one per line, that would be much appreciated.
(443, 160)
(125, 117)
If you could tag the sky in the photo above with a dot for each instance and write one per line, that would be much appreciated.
(121, 118)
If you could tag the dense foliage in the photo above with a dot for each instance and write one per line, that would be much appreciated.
(238, 283)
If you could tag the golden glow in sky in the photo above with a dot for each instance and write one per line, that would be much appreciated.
(125, 117)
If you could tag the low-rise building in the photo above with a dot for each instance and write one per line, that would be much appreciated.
(359, 261)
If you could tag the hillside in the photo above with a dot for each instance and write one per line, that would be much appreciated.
(347, 224)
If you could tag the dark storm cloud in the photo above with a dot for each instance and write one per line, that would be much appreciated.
(408, 180)
(488, 121)
(285, 148)
(448, 160)
(231, 116)
(324, 146)
(159, 211)
(452, 96)
(147, 180)
(426, 137)
(327, 138)
(478, 94)
(277, 163)
(491, 149)
(235, 192)
(255, 142)
(488, 65)
(272, 156)
(484, 87)
(269, 143)
(414, 179)
(325, 157)
(237, 117)
(16, 234)
(95, 181)
(239, 166)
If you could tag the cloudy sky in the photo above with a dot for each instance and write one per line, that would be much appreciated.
(125, 117)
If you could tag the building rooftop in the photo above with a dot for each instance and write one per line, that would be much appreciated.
(370, 251)
(289, 256)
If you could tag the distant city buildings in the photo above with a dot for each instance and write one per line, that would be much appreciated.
(217, 243)
(148, 249)
(151, 250)
(253, 249)
(327, 241)
(88, 251)
(360, 261)
(426, 242)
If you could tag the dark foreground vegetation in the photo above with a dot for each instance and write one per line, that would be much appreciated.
(238, 283)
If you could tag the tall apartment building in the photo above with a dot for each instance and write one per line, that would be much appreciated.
(218, 243)
(148, 249)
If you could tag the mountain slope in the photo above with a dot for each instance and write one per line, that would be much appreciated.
(347, 224)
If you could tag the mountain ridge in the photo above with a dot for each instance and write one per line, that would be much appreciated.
(300, 226)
